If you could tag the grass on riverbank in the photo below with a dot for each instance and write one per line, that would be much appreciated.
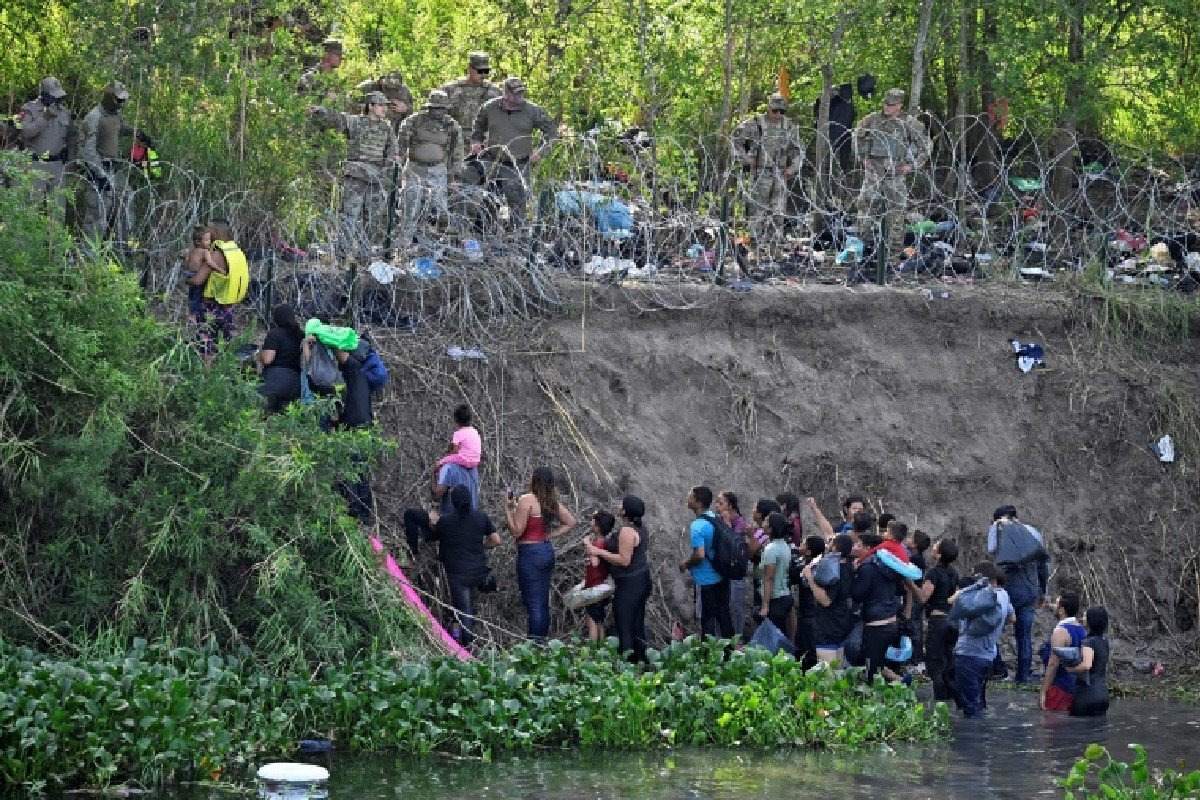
(154, 715)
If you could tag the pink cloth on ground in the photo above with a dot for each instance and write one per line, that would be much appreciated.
(470, 449)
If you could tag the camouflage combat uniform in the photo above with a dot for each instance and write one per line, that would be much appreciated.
(393, 88)
(768, 148)
(371, 146)
(44, 130)
(465, 100)
(100, 150)
(430, 144)
(886, 146)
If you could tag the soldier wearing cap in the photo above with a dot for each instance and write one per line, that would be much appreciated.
(44, 126)
(431, 148)
(400, 99)
(320, 80)
(890, 144)
(768, 147)
(503, 137)
(100, 151)
(371, 146)
(467, 95)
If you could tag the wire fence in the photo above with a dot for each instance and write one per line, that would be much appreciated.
(659, 217)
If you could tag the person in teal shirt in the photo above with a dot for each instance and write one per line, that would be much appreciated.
(773, 572)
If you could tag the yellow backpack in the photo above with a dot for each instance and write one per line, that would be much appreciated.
(229, 289)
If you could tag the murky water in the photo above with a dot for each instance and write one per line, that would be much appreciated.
(1017, 752)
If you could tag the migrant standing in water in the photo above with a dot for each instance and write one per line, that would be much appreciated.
(1091, 695)
(777, 599)
(1025, 578)
(832, 613)
(806, 651)
(977, 639)
(626, 554)
(1058, 684)
(935, 591)
(534, 519)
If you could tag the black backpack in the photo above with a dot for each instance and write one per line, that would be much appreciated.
(730, 555)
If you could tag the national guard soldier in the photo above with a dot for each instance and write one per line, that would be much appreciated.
(400, 99)
(890, 144)
(768, 147)
(320, 81)
(44, 126)
(430, 144)
(467, 95)
(503, 137)
(371, 147)
(100, 151)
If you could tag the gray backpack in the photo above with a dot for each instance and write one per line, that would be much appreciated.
(1016, 545)
(322, 370)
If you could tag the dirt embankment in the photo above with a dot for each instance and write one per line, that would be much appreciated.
(911, 401)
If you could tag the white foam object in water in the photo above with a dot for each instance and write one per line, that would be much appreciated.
(289, 781)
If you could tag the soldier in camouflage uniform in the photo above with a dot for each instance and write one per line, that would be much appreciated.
(467, 95)
(431, 148)
(768, 147)
(44, 125)
(320, 81)
(371, 147)
(890, 144)
(105, 193)
(400, 99)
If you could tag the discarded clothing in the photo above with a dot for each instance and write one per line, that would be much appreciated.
(1164, 448)
(852, 251)
(1028, 355)
(458, 354)
(382, 272)
(612, 216)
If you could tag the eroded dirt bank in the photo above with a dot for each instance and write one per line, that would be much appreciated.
(910, 400)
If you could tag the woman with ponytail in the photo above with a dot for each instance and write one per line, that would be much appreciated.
(534, 519)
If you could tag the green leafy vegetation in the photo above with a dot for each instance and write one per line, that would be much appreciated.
(1098, 775)
(155, 714)
(143, 496)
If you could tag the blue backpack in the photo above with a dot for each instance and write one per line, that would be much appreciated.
(373, 368)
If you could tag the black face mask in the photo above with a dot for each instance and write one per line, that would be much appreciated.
(110, 103)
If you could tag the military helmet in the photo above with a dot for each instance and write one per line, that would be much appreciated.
(52, 87)
(438, 99)
(391, 80)
(478, 60)
(893, 97)
(117, 90)
(375, 98)
(777, 102)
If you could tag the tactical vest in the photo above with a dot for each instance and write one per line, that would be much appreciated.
(430, 142)
(776, 141)
(369, 140)
(108, 135)
(229, 289)
(466, 100)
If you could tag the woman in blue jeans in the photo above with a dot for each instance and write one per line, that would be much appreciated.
(535, 518)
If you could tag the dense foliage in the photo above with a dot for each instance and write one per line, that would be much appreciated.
(143, 496)
(215, 81)
(155, 715)
(1118, 780)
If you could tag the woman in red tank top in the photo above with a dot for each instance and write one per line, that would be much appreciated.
(534, 519)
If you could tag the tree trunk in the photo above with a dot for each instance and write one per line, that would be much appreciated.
(1062, 176)
(727, 74)
(918, 62)
(989, 146)
(960, 110)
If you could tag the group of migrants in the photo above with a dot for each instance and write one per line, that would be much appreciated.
(866, 592)
(473, 132)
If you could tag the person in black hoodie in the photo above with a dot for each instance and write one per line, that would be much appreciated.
(878, 591)
(841, 122)
(280, 356)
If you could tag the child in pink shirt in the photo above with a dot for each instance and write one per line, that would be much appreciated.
(466, 446)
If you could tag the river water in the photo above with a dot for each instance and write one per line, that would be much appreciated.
(1016, 752)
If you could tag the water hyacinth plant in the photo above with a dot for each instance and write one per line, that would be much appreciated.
(155, 715)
